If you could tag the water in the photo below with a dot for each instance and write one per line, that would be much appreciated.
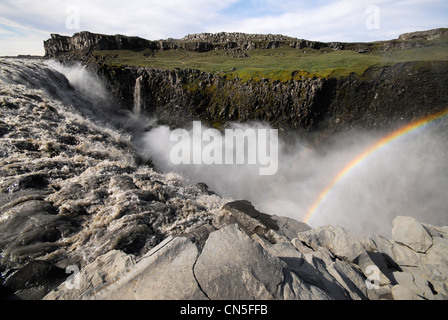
(72, 185)
(408, 177)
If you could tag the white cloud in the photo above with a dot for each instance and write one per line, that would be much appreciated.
(324, 20)
(27, 23)
(341, 20)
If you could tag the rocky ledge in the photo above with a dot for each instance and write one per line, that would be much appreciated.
(380, 98)
(86, 41)
(245, 254)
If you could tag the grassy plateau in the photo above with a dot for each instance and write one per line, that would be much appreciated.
(283, 63)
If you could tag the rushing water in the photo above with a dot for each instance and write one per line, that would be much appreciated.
(72, 186)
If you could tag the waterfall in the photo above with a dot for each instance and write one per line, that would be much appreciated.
(138, 99)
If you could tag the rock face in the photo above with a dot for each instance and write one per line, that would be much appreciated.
(381, 98)
(86, 41)
(237, 263)
(378, 99)
(410, 232)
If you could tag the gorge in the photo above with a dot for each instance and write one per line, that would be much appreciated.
(86, 181)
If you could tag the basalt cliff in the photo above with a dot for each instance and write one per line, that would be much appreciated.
(381, 97)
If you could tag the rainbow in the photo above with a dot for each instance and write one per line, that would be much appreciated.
(361, 157)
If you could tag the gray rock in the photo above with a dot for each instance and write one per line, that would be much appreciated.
(315, 271)
(438, 253)
(337, 239)
(434, 274)
(400, 254)
(233, 266)
(405, 256)
(288, 254)
(249, 218)
(296, 289)
(436, 231)
(400, 292)
(166, 272)
(289, 228)
(93, 277)
(364, 261)
(349, 278)
(416, 284)
(409, 231)
(300, 246)
(383, 245)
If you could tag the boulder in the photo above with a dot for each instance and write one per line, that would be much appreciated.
(249, 218)
(438, 253)
(410, 232)
(233, 266)
(34, 280)
(102, 271)
(400, 292)
(338, 240)
(289, 228)
(315, 271)
(349, 278)
(365, 261)
(230, 262)
(164, 273)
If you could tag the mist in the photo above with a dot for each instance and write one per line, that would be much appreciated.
(408, 176)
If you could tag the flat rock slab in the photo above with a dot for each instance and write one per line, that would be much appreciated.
(249, 218)
(164, 273)
(233, 266)
(410, 232)
(339, 241)
(92, 278)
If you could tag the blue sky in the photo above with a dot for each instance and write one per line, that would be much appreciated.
(25, 24)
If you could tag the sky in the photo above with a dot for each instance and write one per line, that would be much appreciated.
(25, 24)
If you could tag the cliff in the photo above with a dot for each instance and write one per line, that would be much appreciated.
(380, 97)
(86, 41)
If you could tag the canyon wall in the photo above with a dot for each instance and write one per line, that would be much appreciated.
(380, 98)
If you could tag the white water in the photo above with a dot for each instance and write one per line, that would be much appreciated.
(102, 196)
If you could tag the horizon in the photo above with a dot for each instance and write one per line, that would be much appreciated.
(231, 32)
(25, 25)
(180, 38)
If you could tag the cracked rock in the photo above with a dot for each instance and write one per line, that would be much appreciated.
(233, 266)
(166, 272)
(409, 231)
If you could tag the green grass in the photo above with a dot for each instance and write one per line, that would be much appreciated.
(282, 64)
